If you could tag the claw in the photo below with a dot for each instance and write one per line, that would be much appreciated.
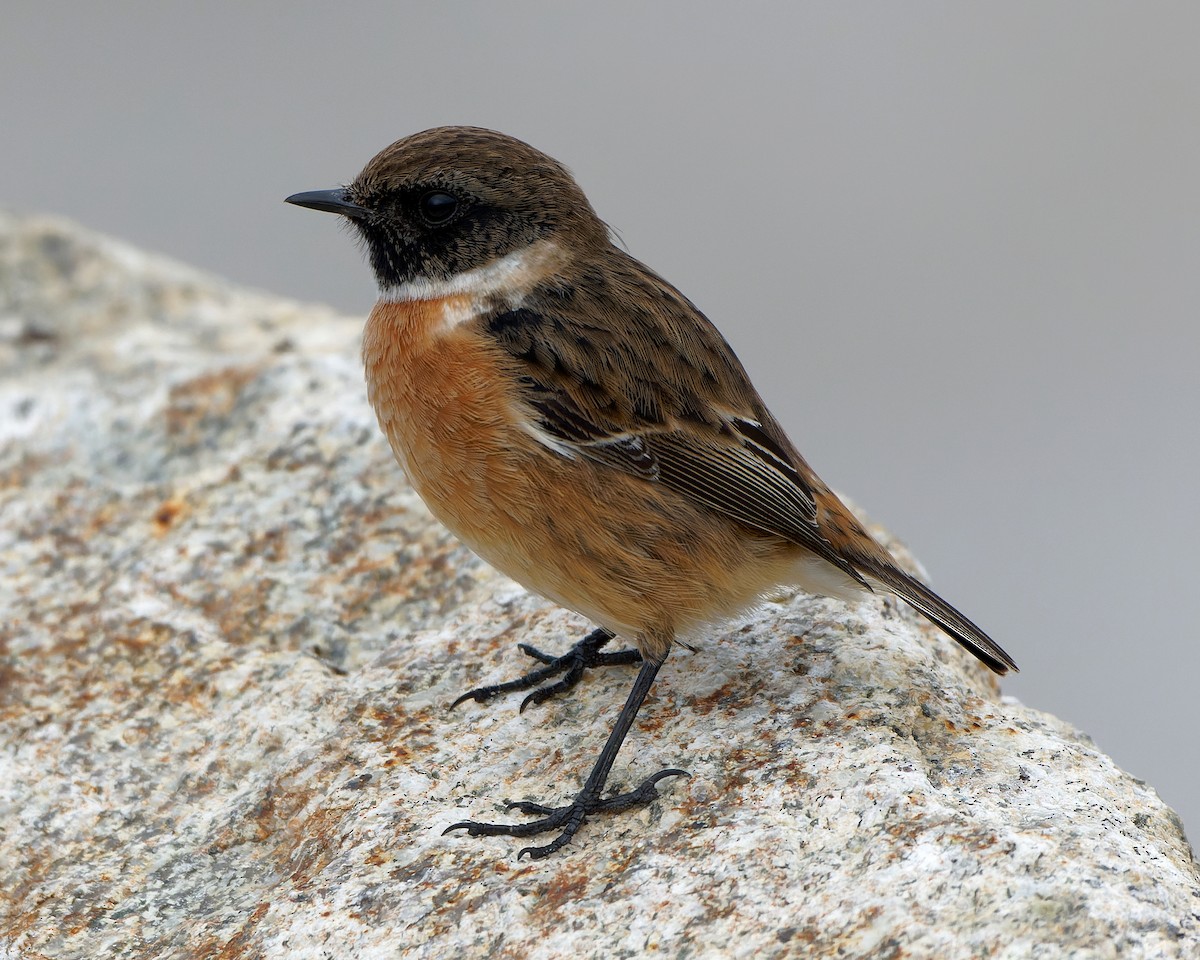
(531, 651)
(572, 665)
(570, 817)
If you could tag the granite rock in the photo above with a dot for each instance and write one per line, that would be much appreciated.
(229, 633)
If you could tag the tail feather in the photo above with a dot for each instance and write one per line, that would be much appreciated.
(954, 623)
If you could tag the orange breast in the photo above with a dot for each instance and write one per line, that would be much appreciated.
(437, 391)
(624, 552)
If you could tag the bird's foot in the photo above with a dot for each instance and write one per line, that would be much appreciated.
(570, 818)
(572, 665)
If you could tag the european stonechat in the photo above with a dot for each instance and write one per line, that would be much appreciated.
(581, 426)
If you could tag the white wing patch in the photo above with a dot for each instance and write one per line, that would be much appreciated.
(550, 442)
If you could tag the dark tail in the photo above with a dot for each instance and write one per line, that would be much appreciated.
(941, 613)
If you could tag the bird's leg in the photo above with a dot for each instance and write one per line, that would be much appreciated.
(572, 664)
(570, 817)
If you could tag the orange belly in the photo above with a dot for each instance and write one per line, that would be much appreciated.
(622, 551)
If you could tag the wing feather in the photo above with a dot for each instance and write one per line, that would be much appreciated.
(732, 458)
(616, 366)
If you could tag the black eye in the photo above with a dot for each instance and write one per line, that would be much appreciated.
(437, 207)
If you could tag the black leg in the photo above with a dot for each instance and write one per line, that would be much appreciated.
(587, 801)
(572, 664)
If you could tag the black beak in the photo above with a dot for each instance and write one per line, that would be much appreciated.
(331, 201)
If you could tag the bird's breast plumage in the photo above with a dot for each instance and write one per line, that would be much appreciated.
(431, 380)
(626, 553)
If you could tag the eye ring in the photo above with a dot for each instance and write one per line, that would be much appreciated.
(438, 207)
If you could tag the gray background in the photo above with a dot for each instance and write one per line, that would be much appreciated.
(958, 246)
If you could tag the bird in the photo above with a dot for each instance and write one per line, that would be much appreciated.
(585, 429)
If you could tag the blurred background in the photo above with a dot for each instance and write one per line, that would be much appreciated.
(957, 246)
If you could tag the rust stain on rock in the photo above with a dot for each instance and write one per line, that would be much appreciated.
(168, 512)
(195, 404)
(568, 886)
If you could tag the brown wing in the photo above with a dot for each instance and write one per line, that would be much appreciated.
(669, 402)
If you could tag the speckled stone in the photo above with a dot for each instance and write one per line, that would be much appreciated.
(230, 633)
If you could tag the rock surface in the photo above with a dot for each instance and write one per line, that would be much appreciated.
(230, 633)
